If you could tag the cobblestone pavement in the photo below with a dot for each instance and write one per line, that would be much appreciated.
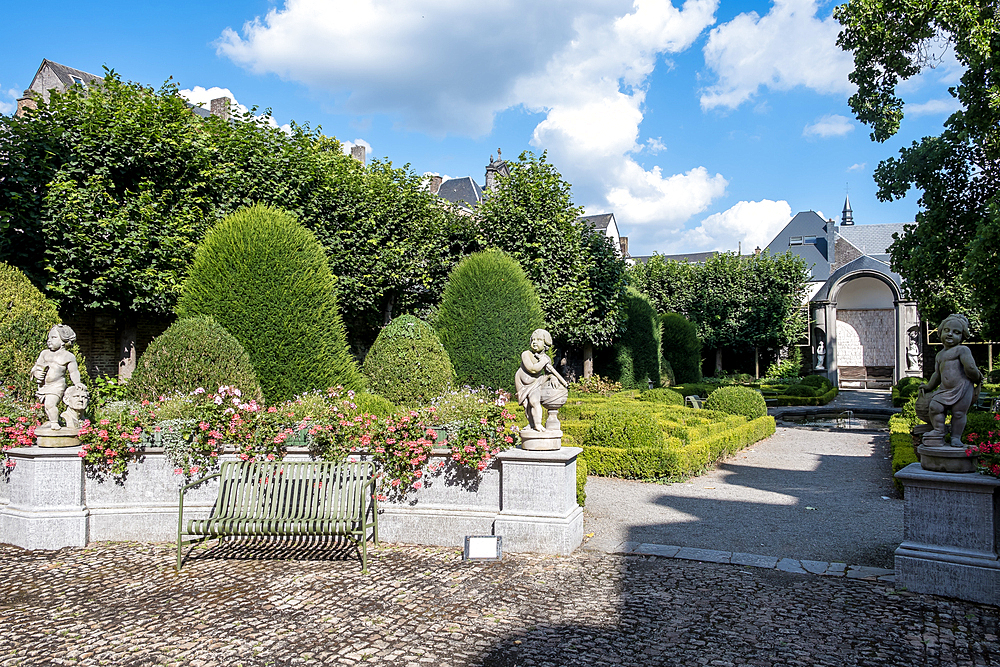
(257, 604)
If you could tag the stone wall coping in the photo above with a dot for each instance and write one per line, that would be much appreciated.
(915, 475)
(561, 455)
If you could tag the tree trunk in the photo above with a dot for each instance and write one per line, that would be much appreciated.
(387, 314)
(588, 360)
(756, 363)
(718, 361)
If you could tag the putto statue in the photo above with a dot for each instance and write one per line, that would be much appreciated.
(956, 373)
(539, 386)
(50, 372)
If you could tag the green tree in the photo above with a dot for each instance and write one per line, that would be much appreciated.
(681, 347)
(579, 276)
(669, 284)
(486, 317)
(948, 257)
(634, 359)
(266, 280)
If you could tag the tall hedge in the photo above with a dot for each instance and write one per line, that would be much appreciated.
(681, 347)
(486, 317)
(266, 280)
(26, 317)
(194, 352)
(634, 359)
(408, 364)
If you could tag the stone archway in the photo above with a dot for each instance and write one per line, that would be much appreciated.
(866, 331)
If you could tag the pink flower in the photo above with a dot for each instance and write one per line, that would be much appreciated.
(418, 484)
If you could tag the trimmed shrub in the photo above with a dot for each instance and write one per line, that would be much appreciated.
(581, 481)
(901, 443)
(902, 390)
(668, 396)
(800, 390)
(407, 363)
(634, 359)
(681, 348)
(194, 352)
(820, 383)
(622, 425)
(26, 317)
(737, 401)
(265, 278)
(487, 313)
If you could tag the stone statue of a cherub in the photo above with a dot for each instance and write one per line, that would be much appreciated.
(50, 371)
(539, 386)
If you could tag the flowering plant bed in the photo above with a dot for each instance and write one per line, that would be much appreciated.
(987, 446)
(17, 425)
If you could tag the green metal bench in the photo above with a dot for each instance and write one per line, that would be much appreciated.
(287, 498)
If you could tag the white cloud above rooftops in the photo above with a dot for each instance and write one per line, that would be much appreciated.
(750, 224)
(830, 125)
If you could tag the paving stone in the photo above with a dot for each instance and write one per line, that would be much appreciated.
(754, 560)
(864, 572)
(627, 547)
(258, 604)
(791, 565)
(704, 555)
(664, 550)
(814, 566)
(836, 570)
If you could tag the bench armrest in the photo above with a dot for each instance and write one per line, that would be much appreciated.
(199, 481)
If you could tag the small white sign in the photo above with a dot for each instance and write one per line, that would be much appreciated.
(483, 547)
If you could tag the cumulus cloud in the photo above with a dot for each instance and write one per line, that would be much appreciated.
(204, 96)
(789, 46)
(8, 100)
(447, 67)
(857, 166)
(750, 224)
(831, 125)
(941, 107)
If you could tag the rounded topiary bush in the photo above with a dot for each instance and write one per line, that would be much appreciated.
(265, 278)
(634, 359)
(624, 426)
(681, 347)
(820, 383)
(194, 352)
(407, 363)
(737, 401)
(26, 317)
(909, 386)
(668, 396)
(487, 313)
(801, 390)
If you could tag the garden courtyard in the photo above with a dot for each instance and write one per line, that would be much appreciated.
(763, 589)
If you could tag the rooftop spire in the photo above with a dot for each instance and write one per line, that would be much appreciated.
(848, 215)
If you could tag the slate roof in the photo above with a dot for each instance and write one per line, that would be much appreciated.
(806, 223)
(51, 75)
(462, 191)
(598, 221)
(872, 239)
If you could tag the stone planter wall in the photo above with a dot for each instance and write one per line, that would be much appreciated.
(454, 502)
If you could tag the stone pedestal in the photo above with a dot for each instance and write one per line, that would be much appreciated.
(951, 531)
(46, 509)
(538, 510)
(548, 440)
(942, 458)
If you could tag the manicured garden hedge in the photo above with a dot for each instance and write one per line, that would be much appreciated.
(902, 446)
(634, 360)
(783, 400)
(630, 439)
(26, 317)
(407, 364)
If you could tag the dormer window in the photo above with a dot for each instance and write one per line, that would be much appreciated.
(77, 80)
(796, 240)
(809, 240)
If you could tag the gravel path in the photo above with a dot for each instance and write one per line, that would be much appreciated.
(803, 494)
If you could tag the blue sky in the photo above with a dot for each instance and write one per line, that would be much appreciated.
(702, 126)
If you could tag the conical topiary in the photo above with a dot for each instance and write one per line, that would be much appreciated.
(407, 363)
(266, 280)
(634, 360)
(486, 317)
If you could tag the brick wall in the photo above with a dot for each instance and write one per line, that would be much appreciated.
(98, 338)
(866, 338)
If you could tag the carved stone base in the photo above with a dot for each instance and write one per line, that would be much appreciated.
(63, 438)
(946, 459)
(541, 441)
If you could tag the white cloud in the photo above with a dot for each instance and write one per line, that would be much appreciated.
(857, 166)
(790, 46)
(940, 107)
(11, 106)
(831, 125)
(204, 97)
(447, 67)
(346, 146)
(750, 224)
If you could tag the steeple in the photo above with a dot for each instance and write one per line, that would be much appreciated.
(848, 216)
(493, 170)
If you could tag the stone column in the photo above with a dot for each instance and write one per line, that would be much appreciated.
(46, 509)
(906, 318)
(538, 510)
(825, 317)
(950, 535)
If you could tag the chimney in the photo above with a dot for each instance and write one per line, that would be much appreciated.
(435, 184)
(358, 153)
(623, 242)
(26, 102)
(220, 107)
